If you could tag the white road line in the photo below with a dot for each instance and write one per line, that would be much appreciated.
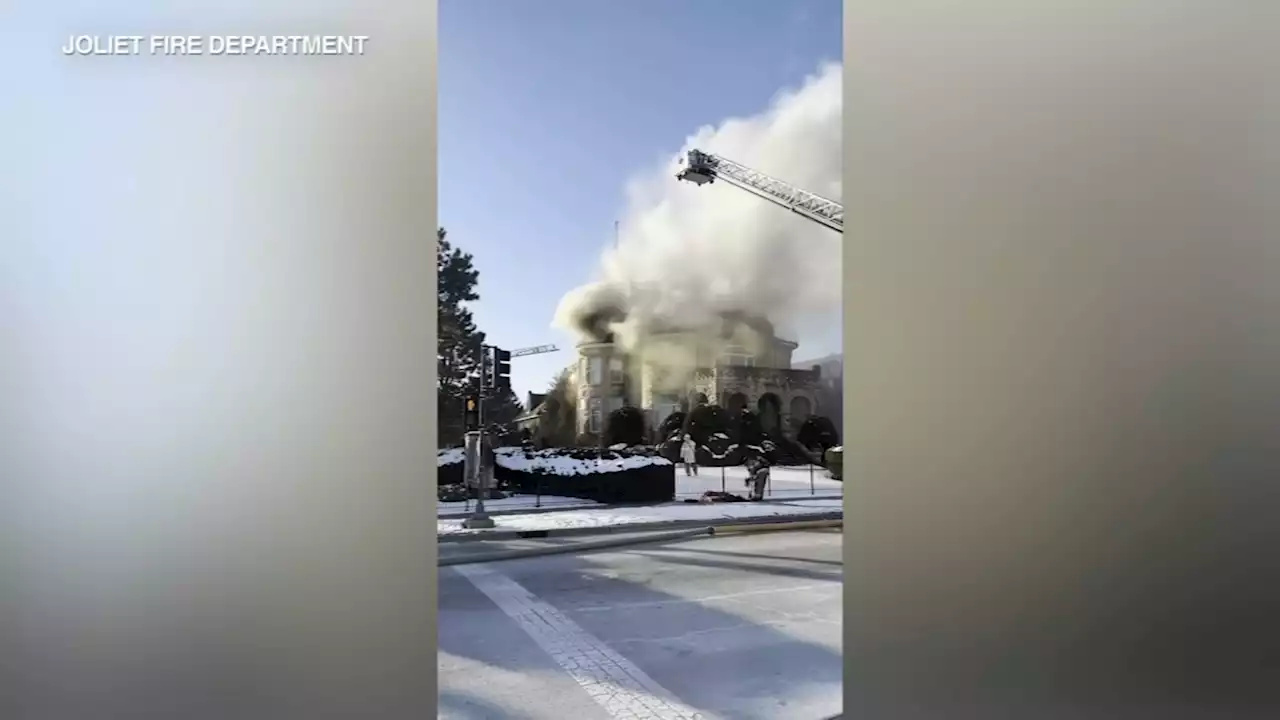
(625, 691)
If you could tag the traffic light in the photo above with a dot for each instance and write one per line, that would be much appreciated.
(495, 368)
(471, 412)
(501, 369)
(486, 368)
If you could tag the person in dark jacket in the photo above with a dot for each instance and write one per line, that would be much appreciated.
(757, 476)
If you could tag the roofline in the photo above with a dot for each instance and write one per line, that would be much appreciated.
(535, 413)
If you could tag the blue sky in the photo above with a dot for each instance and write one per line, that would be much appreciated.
(547, 109)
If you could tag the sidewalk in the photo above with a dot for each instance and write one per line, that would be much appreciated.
(514, 505)
(521, 506)
(602, 520)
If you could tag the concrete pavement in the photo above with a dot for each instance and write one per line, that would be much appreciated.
(737, 627)
(670, 516)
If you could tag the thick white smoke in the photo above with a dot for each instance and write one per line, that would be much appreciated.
(688, 254)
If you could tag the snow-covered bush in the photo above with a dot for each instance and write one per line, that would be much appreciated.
(670, 426)
(577, 461)
(818, 432)
(834, 460)
(619, 474)
(625, 425)
(449, 465)
(706, 421)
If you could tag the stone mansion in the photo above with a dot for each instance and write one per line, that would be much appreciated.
(760, 378)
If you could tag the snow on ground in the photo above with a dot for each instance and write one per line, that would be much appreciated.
(783, 481)
(806, 502)
(450, 456)
(554, 462)
(612, 517)
(515, 501)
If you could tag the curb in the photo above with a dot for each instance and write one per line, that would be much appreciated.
(643, 527)
(774, 527)
(524, 553)
(464, 514)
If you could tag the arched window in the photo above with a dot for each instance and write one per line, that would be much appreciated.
(801, 408)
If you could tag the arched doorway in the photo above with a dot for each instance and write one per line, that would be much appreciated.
(735, 403)
(801, 409)
(770, 410)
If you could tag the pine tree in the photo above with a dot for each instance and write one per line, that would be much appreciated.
(558, 426)
(458, 341)
(500, 411)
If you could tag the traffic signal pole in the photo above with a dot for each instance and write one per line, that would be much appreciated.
(477, 470)
(495, 377)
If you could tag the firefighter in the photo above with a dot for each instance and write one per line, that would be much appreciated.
(757, 476)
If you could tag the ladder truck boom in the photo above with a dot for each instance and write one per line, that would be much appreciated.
(535, 350)
(704, 168)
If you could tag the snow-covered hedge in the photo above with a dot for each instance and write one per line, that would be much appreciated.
(577, 461)
(620, 474)
(449, 462)
(450, 456)
(617, 475)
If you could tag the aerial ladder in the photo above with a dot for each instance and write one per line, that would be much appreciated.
(535, 350)
(704, 168)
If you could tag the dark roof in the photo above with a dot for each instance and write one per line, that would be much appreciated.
(730, 321)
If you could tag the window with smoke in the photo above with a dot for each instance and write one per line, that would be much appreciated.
(595, 371)
(595, 416)
(737, 356)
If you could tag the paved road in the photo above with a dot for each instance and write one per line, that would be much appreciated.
(737, 627)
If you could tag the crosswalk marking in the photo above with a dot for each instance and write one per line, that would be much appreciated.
(625, 691)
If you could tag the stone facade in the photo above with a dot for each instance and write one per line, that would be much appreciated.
(779, 395)
(762, 381)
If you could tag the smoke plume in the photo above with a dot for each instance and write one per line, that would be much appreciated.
(718, 261)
